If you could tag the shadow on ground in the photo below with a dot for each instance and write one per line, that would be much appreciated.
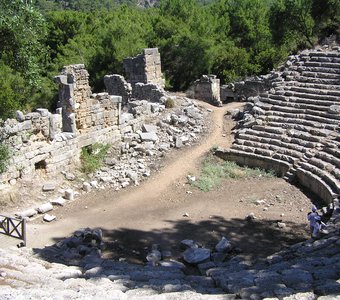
(256, 239)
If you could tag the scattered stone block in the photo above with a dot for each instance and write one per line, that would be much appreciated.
(47, 187)
(69, 194)
(27, 213)
(94, 184)
(223, 246)
(70, 176)
(86, 187)
(172, 264)
(45, 208)
(186, 244)
(58, 201)
(196, 255)
(149, 128)
(149, 136)
(49, 218)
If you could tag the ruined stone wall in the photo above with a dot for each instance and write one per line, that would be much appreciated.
(207, 88)
(53, 142)
(250, 87)
(117, 85)
(150, 92)
(145, 68)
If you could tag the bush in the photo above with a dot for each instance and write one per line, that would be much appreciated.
(213, 171)
(4, 157)
(170, 103)
(92, 157)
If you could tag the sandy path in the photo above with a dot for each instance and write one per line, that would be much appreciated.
(140, 208)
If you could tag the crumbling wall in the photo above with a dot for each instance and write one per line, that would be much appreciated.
(207, 88)
(117, 85)
(53, 142)
(250, 87)
(145, 68)
(150, 92)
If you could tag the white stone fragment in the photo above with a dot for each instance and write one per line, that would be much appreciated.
(49, 218)
(58, 201)
(44, 208)
(69, 194)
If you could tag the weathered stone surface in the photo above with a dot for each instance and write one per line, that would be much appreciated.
(44, 208)
(49, 218)
(223, 245)
(145, 68)
(196, 255)
(47, 187)
(185, 244)
(69, 194)
(206, 88)
(27, 213)
(149, 137)
(58, 201)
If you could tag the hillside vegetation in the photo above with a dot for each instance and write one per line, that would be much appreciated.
(229, 38)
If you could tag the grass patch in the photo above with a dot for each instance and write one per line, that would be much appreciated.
(4, 157)
(92, 157)
(213, 171)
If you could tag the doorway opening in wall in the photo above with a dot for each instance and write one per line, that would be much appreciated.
(40, 165)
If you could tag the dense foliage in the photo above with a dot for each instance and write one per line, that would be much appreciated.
(229, 38)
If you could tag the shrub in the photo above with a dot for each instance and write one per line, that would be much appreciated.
(170, 103)
(92, 157)
(4, 157)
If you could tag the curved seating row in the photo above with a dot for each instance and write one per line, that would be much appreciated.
(297, 125)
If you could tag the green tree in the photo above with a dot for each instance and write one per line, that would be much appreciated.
(22, 30)
(292, 23)
(13, 91)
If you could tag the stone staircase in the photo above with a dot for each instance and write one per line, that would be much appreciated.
(23, 275)
(295, 129)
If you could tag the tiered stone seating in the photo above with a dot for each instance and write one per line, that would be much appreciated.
(296, 128)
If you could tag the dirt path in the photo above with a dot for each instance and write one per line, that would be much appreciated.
(135, 218)
(103, 213)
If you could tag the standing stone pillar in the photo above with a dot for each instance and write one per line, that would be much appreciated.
(74, 95)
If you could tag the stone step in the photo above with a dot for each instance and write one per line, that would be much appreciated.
(274, 130)
(329, 158)
(327, 124)
(262, 134)
(267, 149)
(322, 65)
(326, 177)
(299, 124)
(296, 103)
(312, 86)
(315, 80)
(316, 185)
(315, 90)
(333, 151)
(297, 149)
(309, 72)
(316, 54)
(334, 59)
(244, 155)
(297, 138)
(318, 134)
(322, 117)
(327, 98)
